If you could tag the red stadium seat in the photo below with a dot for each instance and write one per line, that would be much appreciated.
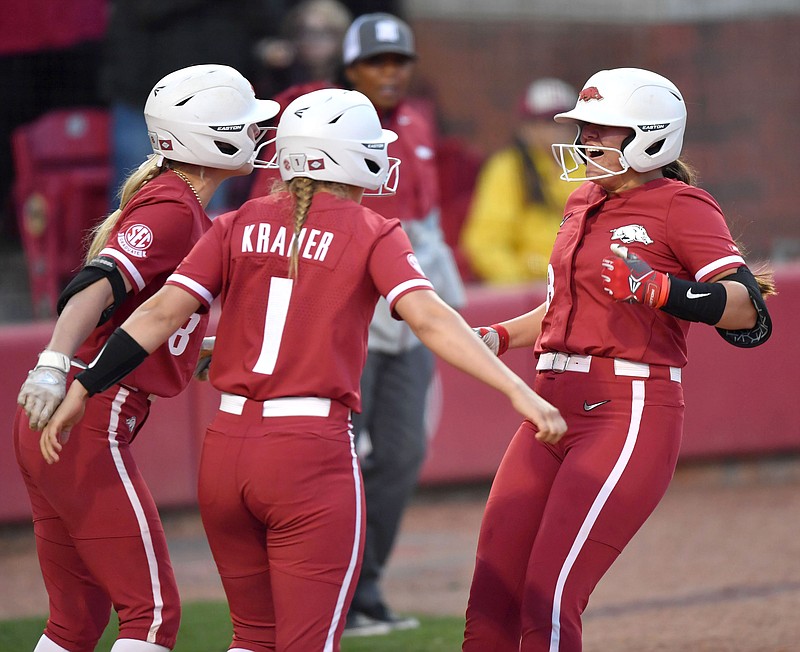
(61, 189)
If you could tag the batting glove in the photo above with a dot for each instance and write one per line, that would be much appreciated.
(495, 337)
(628, 278)
(204, 359)
(44, 389)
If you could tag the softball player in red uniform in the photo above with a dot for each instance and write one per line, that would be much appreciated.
(611, 342)
(98, 534)
(299, 273)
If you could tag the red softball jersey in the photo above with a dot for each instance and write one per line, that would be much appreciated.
(306, 336)
(157, 229)
(676, 228)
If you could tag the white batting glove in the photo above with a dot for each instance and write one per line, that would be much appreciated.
(495, 337)
(204, 359)
(44, 389)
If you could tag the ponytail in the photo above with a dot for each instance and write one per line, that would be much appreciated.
(681, 171)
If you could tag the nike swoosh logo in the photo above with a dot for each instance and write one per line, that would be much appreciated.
(692, 295)
(588, 407)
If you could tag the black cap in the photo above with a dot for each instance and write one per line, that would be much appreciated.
(373, 34)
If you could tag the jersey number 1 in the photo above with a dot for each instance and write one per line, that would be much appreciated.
(280, 292)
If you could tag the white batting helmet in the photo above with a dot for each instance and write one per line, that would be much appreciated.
(203, 114)
(335, 135)
(648, 103)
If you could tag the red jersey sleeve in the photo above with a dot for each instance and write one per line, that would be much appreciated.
(699, 236)
(201, 273)
(151, 241)
(393, 266)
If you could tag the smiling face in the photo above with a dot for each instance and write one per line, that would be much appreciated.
(383, 78)
(602, 148)
(594, 137)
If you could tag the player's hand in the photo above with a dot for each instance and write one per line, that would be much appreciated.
(204, 359)
(495, 337)
(546, 417)
(626, 277)
(41, 393)
(56, 433)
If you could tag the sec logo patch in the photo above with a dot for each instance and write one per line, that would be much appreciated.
(412, 260)
(136, 240)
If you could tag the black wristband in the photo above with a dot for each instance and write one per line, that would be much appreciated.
(121, 355)
(694, 301)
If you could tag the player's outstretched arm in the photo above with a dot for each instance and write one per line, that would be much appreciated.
(515, 333)
(46, 384)
(141, 334)
(446, 333)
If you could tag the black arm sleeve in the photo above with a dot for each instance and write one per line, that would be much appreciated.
(121, 355)
(100, 267)
(748, 338)
(694, 301)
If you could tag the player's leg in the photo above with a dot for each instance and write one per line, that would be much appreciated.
(315, 542)
(143, 589)
(236, 537)
(619, 462)
(286, 536)
(508, 528)
(79, 608)
(123, 522)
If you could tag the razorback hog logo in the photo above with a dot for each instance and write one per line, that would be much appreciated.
(631, 233)
(590, 93)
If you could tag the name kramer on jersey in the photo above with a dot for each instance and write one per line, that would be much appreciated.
(312, 244)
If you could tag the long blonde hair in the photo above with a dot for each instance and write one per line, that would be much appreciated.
(98, 236)
(303, 190)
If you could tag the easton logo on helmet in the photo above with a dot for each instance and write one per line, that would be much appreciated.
(656, 127)
(590, 93)
(228, 128)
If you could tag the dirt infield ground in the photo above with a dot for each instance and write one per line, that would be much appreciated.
(715, 569)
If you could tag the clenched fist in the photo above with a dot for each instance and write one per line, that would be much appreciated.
(626, 277)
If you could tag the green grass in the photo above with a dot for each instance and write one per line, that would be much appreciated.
(205, 627)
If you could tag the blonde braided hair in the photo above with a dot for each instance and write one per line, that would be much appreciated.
(99, 235)
(303, 190)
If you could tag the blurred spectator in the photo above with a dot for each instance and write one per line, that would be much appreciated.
(48, 60)
(308, 49)
(519, 199)
(379, 57)
(147, 39)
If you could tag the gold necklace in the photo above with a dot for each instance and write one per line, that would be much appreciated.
(188, 183)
